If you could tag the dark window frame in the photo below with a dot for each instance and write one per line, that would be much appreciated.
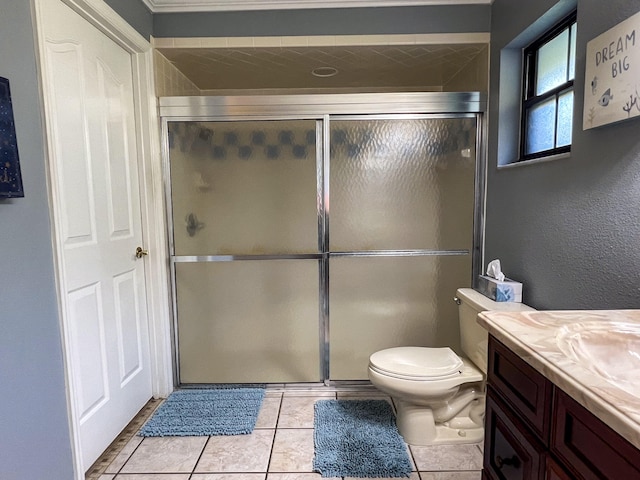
(529, 97)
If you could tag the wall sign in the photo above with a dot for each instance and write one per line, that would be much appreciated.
(10, 178)
(612, 77)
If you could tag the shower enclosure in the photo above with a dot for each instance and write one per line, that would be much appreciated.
(308, 232)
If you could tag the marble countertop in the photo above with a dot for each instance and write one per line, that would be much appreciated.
(592, 355)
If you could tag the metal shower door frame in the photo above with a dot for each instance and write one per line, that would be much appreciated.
(322, 108)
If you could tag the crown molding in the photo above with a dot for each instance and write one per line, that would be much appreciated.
(174, 6)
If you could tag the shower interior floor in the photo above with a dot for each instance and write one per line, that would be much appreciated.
(280, 447)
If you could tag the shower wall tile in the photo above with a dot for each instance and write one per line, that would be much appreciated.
(169, 80)
(187, 42)
(214, 42)
(267, 41)
(163, 42)
(240, 42)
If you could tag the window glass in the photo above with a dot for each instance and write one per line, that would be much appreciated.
(541, 127)
(548, 100)
(572, 53)
(552, 63)
(565, 119)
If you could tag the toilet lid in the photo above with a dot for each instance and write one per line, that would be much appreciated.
(417, 362)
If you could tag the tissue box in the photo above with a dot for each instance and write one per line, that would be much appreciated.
(506, 291)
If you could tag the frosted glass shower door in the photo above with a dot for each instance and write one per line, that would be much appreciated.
(401, 234)
(245, 210)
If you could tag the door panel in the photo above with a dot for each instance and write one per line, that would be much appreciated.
(402, 184)
(88, 81)
(383, 302)
(118, 175)
(399, 186)
(72, 143)
(88, 348)
(128, 324)
(248, 321)
(244, 188)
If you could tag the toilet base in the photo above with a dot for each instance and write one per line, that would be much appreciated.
(417, 426)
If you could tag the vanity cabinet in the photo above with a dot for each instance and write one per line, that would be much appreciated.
(535, 431)
(587, 447)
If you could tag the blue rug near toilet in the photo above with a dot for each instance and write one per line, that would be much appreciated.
(198, 412)
(358, 438)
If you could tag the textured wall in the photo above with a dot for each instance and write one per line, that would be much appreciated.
(568, 229)
(349, 21)
(135, 13)
(34, 432)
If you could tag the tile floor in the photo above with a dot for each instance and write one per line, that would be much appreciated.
(280, 448)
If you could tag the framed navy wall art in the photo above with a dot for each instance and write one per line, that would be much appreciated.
(10, 178)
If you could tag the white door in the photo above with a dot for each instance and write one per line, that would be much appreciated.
(88, 82)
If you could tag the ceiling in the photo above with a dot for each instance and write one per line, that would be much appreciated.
(388, 65)
(380, 67)
(160, 6)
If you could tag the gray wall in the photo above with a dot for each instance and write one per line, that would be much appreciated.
(136, 13)
(34, 432)
(568, 229)
(349, 21)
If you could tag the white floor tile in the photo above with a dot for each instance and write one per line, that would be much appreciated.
(165, 455)
(297, 412)
(270, 453)
(268, 416)
(292, 451)
(450, 475)
(439, 458)
(237, 453)
(228, 476)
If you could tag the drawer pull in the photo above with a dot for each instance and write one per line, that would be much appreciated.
(513, 461)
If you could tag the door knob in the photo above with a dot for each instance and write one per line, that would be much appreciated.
(141, 253)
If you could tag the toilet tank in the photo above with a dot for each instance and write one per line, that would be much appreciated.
(474, 338)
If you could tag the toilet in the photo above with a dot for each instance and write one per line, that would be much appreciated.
(439, 396)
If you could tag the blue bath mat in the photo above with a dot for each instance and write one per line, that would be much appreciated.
(220, 411)
(358, 438)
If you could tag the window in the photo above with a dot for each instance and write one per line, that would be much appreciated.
(547, 107)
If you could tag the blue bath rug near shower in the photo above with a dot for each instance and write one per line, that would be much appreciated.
(198, 412)
(358, 438)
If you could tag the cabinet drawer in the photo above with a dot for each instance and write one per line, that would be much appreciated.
(588, 447)
(526, 390)
(553, 471)
(511, 452)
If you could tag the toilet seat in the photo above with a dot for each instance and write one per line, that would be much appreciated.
(417, 363)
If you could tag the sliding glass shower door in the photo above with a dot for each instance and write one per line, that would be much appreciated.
(245, 250)
(300, 246)
(402, 210)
